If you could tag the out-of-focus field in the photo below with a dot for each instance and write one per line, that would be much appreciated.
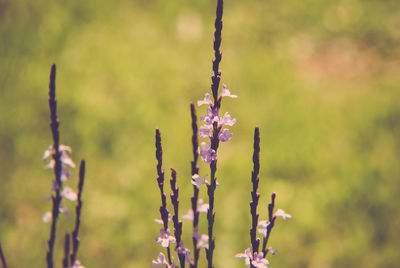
(320, 78)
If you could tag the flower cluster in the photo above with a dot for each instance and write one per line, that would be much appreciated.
(66, 192)
(213, 125)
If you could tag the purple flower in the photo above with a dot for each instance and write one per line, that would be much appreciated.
(207, 100)
(47, 216)
(224, 135)
(77, 264)
(161, 261)
(226, 93)
(165, 238)
(69, 194)
(282, 213)
(226, 120)
(202, 239)
(257, 261)
(207, 154)
(182, 250)
(204, 131)
(263, 228)
(211, 116)
(198, 181)
(161, 222)
(201, 208)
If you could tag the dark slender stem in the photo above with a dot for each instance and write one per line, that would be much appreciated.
(255, 242)
(66, 251)
(195, 170)
(177, 223)
(54, 125)
(2, 258)
(215, 78)
(271, 224)
(160, 179)
(78, 208)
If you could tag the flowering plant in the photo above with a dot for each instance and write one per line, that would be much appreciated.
(214, 130)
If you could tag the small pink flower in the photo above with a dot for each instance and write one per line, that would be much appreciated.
(47, 216)
(224, 135)
(69, 194)
(226, 93)
(210, 117)
(257, 261)
(165, 238)
(226, 120)
(202, 239)
(161, 222)
(77, 264)
(161, 260)
(263, 228)
(207, 154)
(204, 131)
(198, 181)
(282, 213)
(201, 208)
(206, 100)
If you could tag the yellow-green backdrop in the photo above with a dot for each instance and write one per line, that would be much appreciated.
(320, 78)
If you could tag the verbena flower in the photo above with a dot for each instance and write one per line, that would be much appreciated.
(198, 181)
(201, 207)
(207, 154)
(226, 92)
(283, 214)
(185, 251)
(162, 261)
(225, 135)
(257, 261)
(165, 238)
(202, 239)
(161, 222)
(77, 264)
(69, 194)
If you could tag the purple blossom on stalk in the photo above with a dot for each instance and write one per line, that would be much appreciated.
(207, 153)
(201, 208)
(198, 181)
(253, 259)
(161, 261)
(165, 238)
(253, 256)
(56, 153)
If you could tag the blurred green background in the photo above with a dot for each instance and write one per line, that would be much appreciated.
(320, 78)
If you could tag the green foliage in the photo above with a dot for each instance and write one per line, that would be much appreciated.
(320, 79)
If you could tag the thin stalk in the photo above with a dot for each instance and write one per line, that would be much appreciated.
(78, 209)
(160, 180)
(2, 258)
(177, 223)
(56, 200)
(66, 251)
(255, 242)
(215, 78)
(271, 224)
(195, 170)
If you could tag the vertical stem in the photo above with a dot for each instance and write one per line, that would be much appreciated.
(2, 258)
(160, 179)
(66, 251)
(56, 200)
(177, 224)
(255, 242)
(78, 208)
(271, 224)
(195, 170)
